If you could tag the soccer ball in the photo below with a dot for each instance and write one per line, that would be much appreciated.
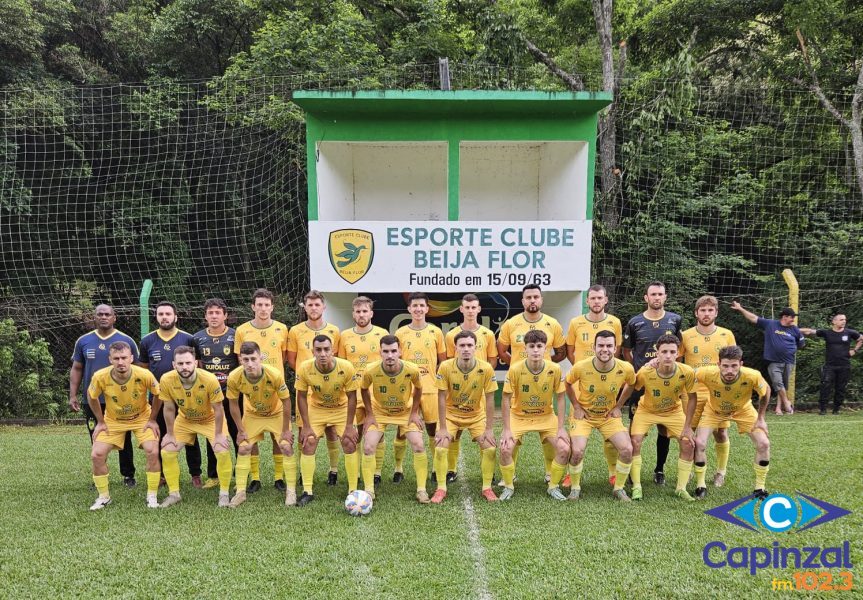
(358, 503)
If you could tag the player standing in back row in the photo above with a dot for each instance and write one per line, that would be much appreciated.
(639, 348)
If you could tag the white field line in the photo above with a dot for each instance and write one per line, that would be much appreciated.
(476, 548)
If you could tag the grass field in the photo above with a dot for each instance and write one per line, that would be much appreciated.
(529, 547)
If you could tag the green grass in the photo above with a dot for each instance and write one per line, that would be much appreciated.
(532, 546)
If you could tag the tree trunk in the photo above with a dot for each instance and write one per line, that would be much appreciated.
(607, 197)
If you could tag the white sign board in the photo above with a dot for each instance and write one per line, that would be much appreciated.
(449, 256)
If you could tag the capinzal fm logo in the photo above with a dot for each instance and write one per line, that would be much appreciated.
(778, 513)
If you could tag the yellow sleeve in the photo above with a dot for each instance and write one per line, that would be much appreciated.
(573, 376)
(618, 333)
(761, 387)
(510, 384)
(560, 385)
(96, 388)
(284, 392)
(352, 384)
(292, 341)
(441, 379)
(233, 389)
(216, 395)
(690, 382)
(366, 382)
(630, 375)
(238, 339)
(491, 344)
(491, 384)
(450, 344)
(559, 340)
(153, 384)
(342, 351)
(570, 333)
(503, 336)
(639, 380)
(300, 383)
(441, 347)
(416, 378)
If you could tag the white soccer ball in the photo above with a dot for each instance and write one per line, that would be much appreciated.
(358, 503)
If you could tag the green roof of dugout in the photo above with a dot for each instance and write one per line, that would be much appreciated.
(453, 103)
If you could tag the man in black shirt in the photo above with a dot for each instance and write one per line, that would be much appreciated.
(214, 346)
(639, 337)
(837, 361)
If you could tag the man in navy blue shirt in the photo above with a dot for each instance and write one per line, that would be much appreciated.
(782, 338)
(837, 359)
(157, 355)
(90, 355)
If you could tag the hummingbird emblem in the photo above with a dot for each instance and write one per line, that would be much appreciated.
(350, 254)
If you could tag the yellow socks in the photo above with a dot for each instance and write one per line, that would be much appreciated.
(400, 448)
(244, 464)
(610, 457)
(153, 478)
(575, 472)
(421, 468)
(452, 455)
(254, 468)
(171, 469)
(368, 463)
(441, 457)
(291, 471)
(684, 468)
(379, 456)
(557, 471)
(722, 451)
(223, 468)
(486, 466)
(307, 468)
(278, 466)
(635, 471)
(761, 474)
(621, 472)
(700, 472)
(352, 468)
(101, 483)
(515, 452)
(548, 453)
(507, 472)
(333, 447)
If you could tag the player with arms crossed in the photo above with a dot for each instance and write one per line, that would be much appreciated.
(271, 337)
(700, 347)
(266, 409)
(730, 386)
(466, 388)
(663, 387)
(600, 379)
(532, 388)
(125, 388)
(326, 386)
(512, 348)
(639, 347)
(361, 346)
(198, 396)
(580, 338)
(422, 344)
(397, 387)
(300, 340)
(486, 349)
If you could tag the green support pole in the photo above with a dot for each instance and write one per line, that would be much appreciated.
(144, 305)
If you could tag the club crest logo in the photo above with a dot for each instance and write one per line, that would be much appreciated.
(351, 253)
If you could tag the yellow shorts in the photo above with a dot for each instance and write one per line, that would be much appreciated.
(117, 429)
(546, 426)
(644, 420)
(400, 421)
(256, 426)
(745, 418)
(359, 414)
(186, 430)
(703, 396)
(475, 427)
(429, 408)
(607, 427)
(321, 418)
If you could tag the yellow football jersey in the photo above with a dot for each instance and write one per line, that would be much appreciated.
(664, 394)
(273, 341)
(422, 348)
(727, 398)
(124, 401)
(598, 390)
(196, 402)
(392, 395)
(263, 397)
(513, 330)
(465, 391)
(326, 390)
(486, 347)
(533, 394)
(300, 339)
(700, 350)
(581, 334)
(361, 349)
